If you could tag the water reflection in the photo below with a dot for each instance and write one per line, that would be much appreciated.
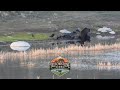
(83, 66)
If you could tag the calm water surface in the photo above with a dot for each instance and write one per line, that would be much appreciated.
(83, 66)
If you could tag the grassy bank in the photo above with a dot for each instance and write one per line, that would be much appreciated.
(24, 36)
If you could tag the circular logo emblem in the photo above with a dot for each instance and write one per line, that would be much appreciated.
(60, 66)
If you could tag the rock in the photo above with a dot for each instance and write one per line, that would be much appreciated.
(104, 37)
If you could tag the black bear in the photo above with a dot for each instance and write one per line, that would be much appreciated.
(85, 36)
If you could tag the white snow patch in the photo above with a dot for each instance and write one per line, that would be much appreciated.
(65, 31)
(112, 32)
(105, 29)
(20, 46)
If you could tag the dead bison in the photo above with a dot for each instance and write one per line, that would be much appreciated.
(80, 36)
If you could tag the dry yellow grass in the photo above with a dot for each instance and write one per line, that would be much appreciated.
(42, 53)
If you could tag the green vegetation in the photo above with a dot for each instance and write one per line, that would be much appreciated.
(24, 36)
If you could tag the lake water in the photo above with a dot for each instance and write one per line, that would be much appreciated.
(83, 66)
(87, 65)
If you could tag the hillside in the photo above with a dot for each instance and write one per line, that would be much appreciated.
(51, 21)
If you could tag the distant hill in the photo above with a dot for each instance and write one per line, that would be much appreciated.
(51, 21)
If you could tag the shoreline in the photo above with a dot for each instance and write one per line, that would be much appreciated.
(42, 53)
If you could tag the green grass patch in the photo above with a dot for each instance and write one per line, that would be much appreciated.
(24, 36)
